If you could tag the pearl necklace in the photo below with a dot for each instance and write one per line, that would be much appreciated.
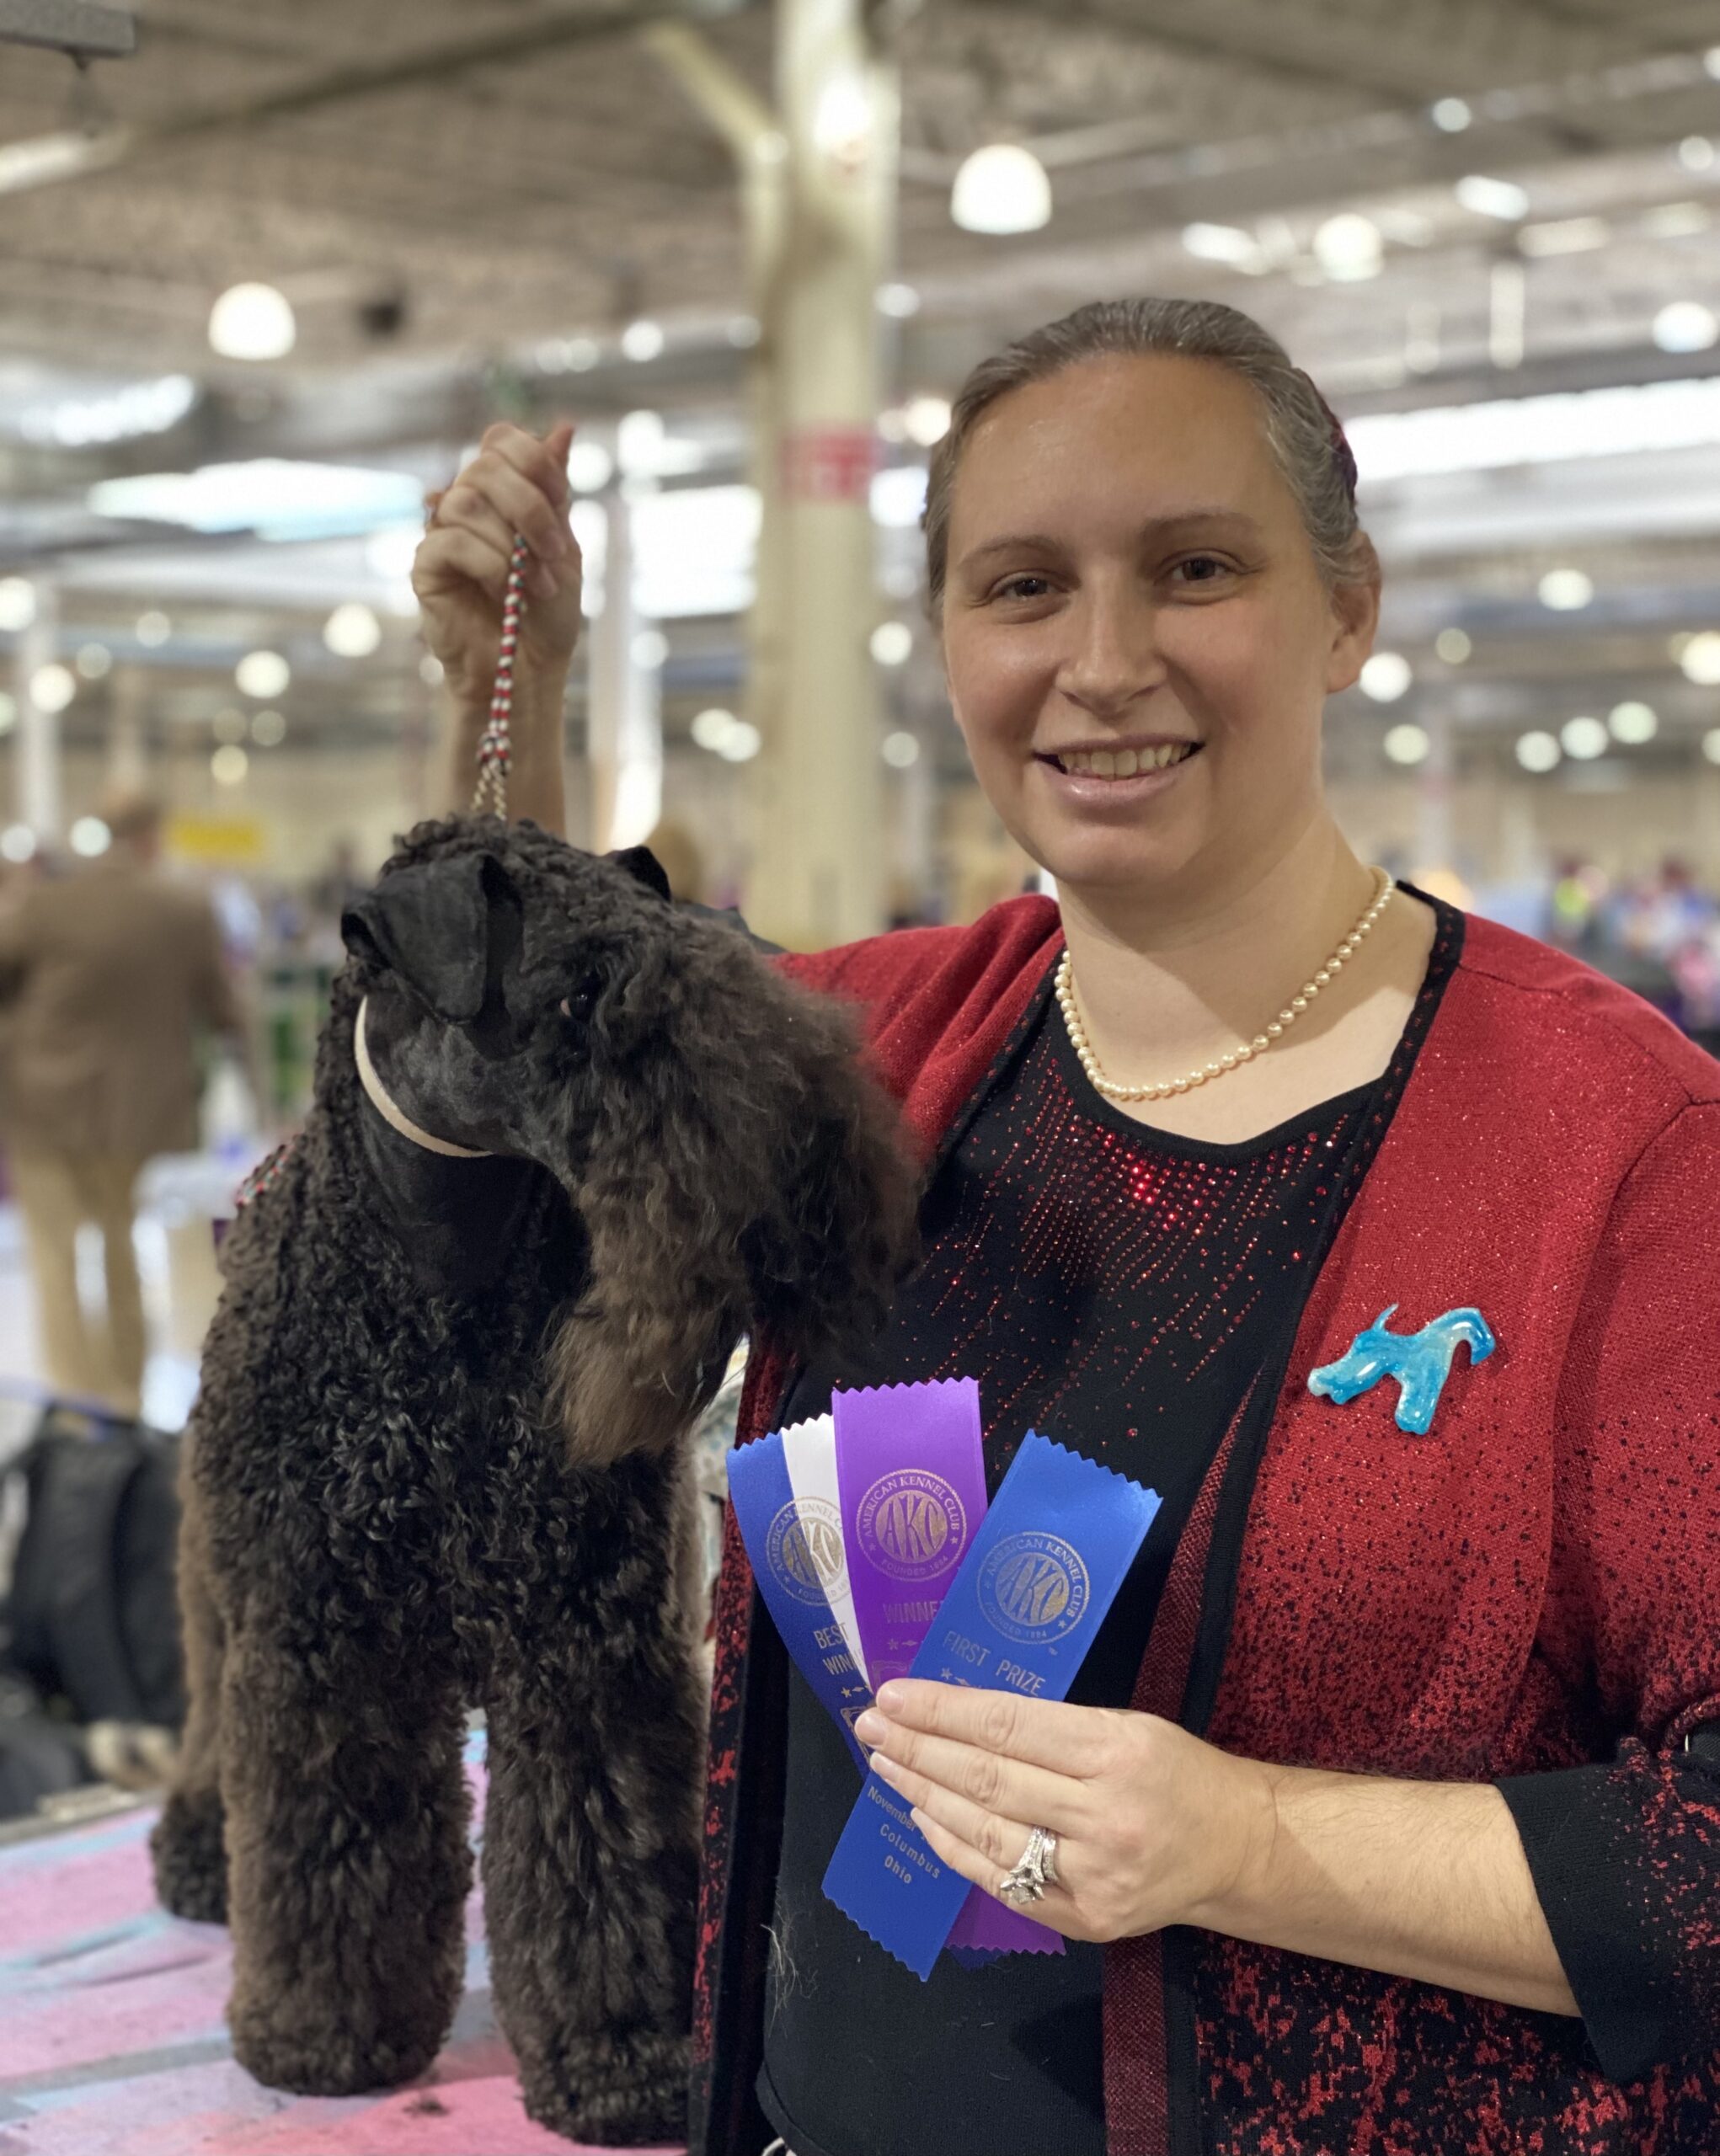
(1246, 1051)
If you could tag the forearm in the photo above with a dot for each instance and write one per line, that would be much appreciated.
(536, 790)
(1425, 1880)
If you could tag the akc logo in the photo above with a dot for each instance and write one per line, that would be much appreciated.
(911, 1524)
(1034, 1587)
(804, 1549)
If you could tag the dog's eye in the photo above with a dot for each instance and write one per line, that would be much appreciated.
(579, 1006)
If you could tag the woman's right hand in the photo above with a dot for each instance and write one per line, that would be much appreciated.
(515, 484)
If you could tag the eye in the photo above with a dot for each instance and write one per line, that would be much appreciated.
(579, 1006)
(1202, 568)
(1029, 584)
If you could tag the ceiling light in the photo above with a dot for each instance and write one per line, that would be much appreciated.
(229, 725)
(1565, 590)
(712, 728)
(153, 627)
(1538, 751)
(252, 322)
(1220, 243)
(1564, 236)
(390, 554)
(1001, 189)
(1677, 220)
(927, 419)
(642, 340)
(1633, 723)
(650, 647)
(135, 408)
(1685, 326)
(892, 643)
(1453, 646)
(94, 661)
(279, 498)
(430, 670)
(1696, 154)
(1451, 116)
(1348, 249)
(52, 687)
(227, 766)
(1700, 658)
(638, 443)
(900, 751)
(1407, 745)
(18, 843)
(264, 674)
(1492, 198)
(18, 602)
(841, 119)
(590, 467)
(741, 744)
(899, 496)
(898, 302)
(90, 836)
(1584, 739)
(268, 730)
(352, 630)
(1710, 745)
(1386, 677)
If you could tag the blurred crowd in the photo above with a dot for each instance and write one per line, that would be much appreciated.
(1658, 933)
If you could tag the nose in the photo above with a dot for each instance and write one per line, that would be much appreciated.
(1113, 659)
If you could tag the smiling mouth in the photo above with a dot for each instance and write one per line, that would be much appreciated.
(1121, 763)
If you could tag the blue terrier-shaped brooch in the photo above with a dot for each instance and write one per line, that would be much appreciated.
(1421, 1362)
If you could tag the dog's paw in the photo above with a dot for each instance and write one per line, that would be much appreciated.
(190, 1859)
(327, 2061)
(618, 2092)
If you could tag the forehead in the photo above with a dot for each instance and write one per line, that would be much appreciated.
(1139, 435)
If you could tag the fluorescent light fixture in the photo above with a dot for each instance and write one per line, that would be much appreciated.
(590, 467)
(900, 751)
(892, 643)
(227, 766)
(153, 627)
(1564, 236)
(264, 674)
(1549, 430)
(253, 321)
(1700, 658)
(1453, 646)
(1633, 723)
(1407, 745)
(18, 603)
(52, 687)
(642, 340)
(1686, 326)
(1451, 116)
(898, 302)
(694, 551)
(650, 649)
(138, 408)
(1584, 739)
(741, 744)
(899, 496)
(711, 728)
(1348, 249)
(1001, 189)
(352, 630)
(1492, 198)
(45, 158)
(1220, 243)
(390, 553)
(1696, 154)
(94, 661)
(90, 836)
(274, 497)
(927, 419)
(1538, 751)
(18, 843)
(1386, 677)
(1565, 591)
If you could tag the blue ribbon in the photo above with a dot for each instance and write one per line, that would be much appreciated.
(785, 1546)
(1020, 1616)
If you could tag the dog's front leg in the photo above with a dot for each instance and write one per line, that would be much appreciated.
(346, 1812)
(590, 1867)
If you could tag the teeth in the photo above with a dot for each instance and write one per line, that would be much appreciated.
(1125, 763)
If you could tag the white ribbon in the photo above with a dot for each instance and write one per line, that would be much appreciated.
(396, 1118)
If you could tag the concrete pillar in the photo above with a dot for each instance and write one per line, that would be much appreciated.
(819, 178)
(624, 707)
(38, 761)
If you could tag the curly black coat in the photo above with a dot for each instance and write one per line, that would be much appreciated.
(434, 1462)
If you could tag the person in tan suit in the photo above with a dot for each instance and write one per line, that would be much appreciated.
(107, 978)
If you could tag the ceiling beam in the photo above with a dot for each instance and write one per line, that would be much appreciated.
(82, 27)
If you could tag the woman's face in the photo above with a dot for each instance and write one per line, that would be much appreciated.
(1130, 590)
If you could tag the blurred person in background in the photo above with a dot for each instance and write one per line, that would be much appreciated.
(108, 977)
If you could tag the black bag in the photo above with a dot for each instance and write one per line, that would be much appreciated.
(93, 1614)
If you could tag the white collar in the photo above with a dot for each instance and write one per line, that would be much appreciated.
(396, 1117)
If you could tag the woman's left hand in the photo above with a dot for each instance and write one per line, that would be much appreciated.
(1153, 1825)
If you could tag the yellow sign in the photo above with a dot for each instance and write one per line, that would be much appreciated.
(219, 841)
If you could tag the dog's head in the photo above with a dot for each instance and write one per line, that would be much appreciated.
(734, 1166)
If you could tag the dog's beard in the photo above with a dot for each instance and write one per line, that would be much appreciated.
(633, 1382)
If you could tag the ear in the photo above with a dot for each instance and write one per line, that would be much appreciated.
(640, 862)
(429, 925)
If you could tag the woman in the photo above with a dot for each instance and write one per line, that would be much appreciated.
(1386, 1808)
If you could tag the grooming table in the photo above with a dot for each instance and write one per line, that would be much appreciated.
(112, 2040)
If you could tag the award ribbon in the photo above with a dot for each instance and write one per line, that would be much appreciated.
(792, 1556)
(912, 1472)
(1024, 1607)
(810, 1450)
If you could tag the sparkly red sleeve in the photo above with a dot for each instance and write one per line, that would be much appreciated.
(1625, 1850)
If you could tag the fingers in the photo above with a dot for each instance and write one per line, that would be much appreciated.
(984, 1783)
(997, 1828)
(518, 484)
(1077, 1741)
(1057, 1907)
(449, 552)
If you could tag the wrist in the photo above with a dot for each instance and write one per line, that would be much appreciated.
(1250, 1831)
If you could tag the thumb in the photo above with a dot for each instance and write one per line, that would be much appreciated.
(560, 439)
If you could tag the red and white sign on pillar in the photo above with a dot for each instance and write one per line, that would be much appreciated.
(829, 464)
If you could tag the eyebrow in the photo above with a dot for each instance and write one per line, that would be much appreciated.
(1028, 541)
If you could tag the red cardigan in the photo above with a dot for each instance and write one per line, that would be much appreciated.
(1531, 1594)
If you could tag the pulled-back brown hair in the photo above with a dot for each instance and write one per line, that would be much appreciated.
(1306, 442)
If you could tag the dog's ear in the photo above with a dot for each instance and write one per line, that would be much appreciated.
(429, 925)
(641, 863)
